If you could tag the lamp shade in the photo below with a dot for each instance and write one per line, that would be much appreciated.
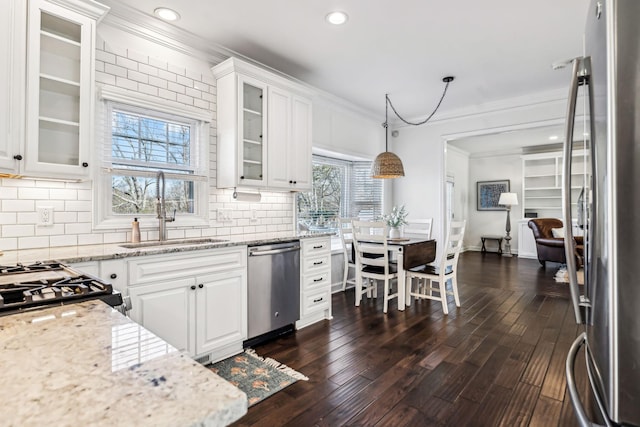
(508, 199)
(387, 165)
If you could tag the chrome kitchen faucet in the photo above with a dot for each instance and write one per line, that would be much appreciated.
(161, 208)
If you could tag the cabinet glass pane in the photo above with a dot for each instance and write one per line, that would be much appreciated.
(60, 27)
(59, 58)
(252, 132)
(252, 98)
(58, 143)
(59, 100)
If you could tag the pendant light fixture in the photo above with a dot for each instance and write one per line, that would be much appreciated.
(387, 164)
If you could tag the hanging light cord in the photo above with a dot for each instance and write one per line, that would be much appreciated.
(447, 80)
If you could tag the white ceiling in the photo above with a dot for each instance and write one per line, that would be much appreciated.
(496, 49)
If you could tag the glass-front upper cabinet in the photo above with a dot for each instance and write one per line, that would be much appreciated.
(59, 90)
(252, 156)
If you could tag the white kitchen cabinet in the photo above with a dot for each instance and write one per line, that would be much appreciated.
(12, 81)
(289, 152)
(196, 301)
(115, 272)
(263, 129)
(315, 281)
(60, 82)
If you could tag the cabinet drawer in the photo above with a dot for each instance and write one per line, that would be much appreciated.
(313, 265)
(174, 266)
(315, 246)
(316, 301)
(320, 280)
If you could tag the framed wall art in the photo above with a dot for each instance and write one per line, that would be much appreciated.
(489, 194)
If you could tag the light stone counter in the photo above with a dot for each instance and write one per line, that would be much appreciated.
(76, 254)
(86, 364)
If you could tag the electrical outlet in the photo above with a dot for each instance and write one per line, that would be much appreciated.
(254, 216)
(45, 215)
(224, 215)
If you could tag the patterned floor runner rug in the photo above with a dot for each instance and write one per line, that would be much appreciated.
(258, 377)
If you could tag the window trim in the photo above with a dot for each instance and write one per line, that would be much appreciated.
(137, 103)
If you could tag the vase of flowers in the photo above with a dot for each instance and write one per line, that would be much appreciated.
(395, 220)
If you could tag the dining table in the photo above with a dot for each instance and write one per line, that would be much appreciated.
(410, 251)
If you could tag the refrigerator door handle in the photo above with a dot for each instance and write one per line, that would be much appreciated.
(583, 419)
(577, 76)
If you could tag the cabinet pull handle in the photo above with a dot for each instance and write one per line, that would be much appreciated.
(318, 299)
(85, 164)
(201, 286)
(114, 276)
(318, 280)
(318, 247)
(318, 263)
(193, 287)
(18, 157)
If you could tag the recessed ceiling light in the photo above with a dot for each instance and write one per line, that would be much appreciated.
(166, 14)
(337, 18)
(553, 138)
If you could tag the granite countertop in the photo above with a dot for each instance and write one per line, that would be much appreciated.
(86, 253)
(86, 364)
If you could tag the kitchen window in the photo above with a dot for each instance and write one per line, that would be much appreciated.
(339, 188)
(139, 142)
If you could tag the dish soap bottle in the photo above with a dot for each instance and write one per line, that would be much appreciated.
(135, 231)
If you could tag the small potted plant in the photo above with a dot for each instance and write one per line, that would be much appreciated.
(395, 220)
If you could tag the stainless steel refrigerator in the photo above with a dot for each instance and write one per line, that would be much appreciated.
(608, 305)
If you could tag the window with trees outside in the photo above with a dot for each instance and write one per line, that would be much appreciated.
(340, 188)
(141, 144)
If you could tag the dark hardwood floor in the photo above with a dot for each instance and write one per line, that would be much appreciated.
(496, 361)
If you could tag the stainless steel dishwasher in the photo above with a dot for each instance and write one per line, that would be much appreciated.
(273, 289)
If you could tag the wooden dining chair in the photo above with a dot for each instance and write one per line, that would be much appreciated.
(420, 227)
(444, 273)
(372, 260)
(345, 229)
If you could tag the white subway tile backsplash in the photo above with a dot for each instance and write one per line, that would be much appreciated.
(67, 217)
(115, 70)
(184, 99)
(18, 206)
(108, 79)
(23, 218)
(158, 63)
(78, 228)
(18, 230)
(78, 205)
(126, 63)
(9, 244)
(90, 239)
(185, 81)
(33, 242)
(137, 76)
(63, 240)
(56, 229)
(63, 194)
(167, 94)
(126, 84)
(158, 82)
(167, 75)
(149, 90)
(175, 87)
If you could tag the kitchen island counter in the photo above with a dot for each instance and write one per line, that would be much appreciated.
(86, 364)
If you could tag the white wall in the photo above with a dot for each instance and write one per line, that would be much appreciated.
(480, 223)
(421, 148)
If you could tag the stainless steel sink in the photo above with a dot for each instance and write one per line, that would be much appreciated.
(175, 242)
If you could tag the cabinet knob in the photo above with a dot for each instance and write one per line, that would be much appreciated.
(242, 177)
(295, 182)
(85, 164)
(114, 276)
(201, 286)
(290, 182)
(18, 157)
(193, 287)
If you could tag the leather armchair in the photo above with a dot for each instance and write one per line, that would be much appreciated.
(550, 248)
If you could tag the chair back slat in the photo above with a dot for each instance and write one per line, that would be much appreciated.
(370, 238)
(420, 227)
(345, 230)
(453, 245)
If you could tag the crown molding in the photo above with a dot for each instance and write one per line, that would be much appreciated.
(89, 8)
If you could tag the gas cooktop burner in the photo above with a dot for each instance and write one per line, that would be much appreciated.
(38, 284)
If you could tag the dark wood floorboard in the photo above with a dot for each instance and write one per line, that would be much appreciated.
(496, 360)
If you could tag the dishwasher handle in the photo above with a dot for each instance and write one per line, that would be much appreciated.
(273, 251)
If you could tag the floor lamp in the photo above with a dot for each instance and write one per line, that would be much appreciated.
(508, 200)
